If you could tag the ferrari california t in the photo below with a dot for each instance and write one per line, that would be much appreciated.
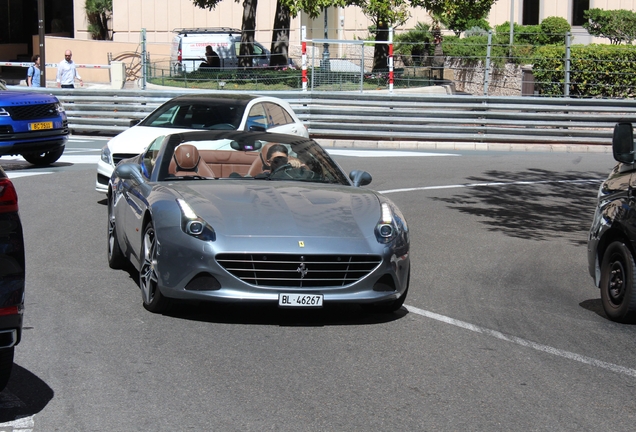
(254, 216)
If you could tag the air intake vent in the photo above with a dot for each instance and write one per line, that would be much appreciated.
(302, 271)
(32, 112)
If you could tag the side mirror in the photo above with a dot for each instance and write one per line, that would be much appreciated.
(134, 122)
(360, 178)
(623, 143)
(129, 171)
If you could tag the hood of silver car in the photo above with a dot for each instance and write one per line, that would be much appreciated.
(279, 209)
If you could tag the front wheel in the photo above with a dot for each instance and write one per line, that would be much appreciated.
(44, 158)
(618, 293)
(151, 295)
(116, 258)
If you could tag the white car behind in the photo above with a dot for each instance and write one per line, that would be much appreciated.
(199, 112)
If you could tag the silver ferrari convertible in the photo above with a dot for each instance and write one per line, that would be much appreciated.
(254, 216)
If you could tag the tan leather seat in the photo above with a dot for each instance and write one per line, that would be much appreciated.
(186, 161)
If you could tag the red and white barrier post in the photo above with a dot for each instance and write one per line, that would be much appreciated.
(304, 56)
(391, 60)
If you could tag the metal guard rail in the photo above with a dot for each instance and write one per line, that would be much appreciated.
(386, 117)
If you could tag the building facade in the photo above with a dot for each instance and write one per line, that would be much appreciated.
(160, 17)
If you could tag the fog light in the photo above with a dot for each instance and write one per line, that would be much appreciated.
(194, 228)
(386, 230)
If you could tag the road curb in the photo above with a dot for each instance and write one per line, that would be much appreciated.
(463, 146)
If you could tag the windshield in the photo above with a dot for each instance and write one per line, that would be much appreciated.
(248, 159)
(188, 114)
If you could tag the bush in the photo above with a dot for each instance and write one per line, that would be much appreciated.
(475, 31)
(596, 71)
(553, 30)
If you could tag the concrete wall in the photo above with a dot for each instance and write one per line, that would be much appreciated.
(96, 53)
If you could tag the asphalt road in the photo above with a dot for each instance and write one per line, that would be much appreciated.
(503, 328)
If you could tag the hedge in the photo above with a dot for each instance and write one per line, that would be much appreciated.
(607, 71)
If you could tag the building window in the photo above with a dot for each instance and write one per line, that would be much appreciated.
(530, 12)
(578, 8)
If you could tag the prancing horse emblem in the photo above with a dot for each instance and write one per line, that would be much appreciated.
(302, 270)
(301, 243)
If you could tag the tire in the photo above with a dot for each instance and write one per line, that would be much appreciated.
(44, 158)
(116, 258)
(151, 295)
(618, 293)
(6, 364)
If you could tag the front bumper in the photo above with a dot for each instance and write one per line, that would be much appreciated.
(182, 261)
(104, 172)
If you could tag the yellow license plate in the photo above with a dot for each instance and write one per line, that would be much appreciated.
(41, 125)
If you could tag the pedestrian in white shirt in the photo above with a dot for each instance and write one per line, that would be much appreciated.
(66, 72)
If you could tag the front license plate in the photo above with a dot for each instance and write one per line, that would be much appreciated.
(41, 126)
(300, 300)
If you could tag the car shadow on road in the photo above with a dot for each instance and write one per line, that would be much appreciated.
(25, 395)
(22, 165)
(534, 204)
(271, 314)
(594, 305)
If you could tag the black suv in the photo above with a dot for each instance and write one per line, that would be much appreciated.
(612, 241)
(11, 276)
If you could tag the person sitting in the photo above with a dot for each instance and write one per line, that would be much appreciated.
(212, 59)
(282, 166)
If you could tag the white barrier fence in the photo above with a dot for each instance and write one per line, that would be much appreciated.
(385, 116)
(54, 65)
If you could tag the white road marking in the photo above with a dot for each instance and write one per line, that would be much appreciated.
(383, 153)
(17, 174)
(523, 342)
(24, 424)
(469, 185)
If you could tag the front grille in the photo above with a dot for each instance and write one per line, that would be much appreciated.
(32, 112)
(6, 129)
(302, 271)
(121, 156)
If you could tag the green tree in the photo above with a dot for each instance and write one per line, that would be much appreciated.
(458, 15)
(414, 46)
(384, 14)
(99, 12)
(248, 27)
(285, 10)
(616, 25)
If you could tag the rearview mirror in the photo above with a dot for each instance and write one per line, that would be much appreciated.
(134, 122)
(623, 143)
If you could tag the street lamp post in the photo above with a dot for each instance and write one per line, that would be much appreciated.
(325, 52)
(41, 33)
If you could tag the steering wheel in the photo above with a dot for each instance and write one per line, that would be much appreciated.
(222, 126)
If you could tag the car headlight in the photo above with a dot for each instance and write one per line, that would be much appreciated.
(4, 112)
(106, 156)
(193, 225)
(59, 107)
(391, 224)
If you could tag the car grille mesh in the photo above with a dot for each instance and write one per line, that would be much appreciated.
(302, 271)
(32, 112)
(118, 157)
